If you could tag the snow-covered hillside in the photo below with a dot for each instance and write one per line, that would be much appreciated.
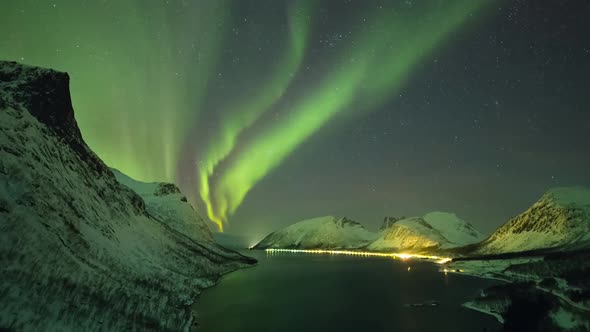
(561, 218)
(78, 250)
(324, 232)
(166, 202)
(432, 231)
(456, 230)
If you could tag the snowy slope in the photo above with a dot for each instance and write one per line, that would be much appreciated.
(166, 202)
(408, 234)
(432, 231)
(454, 229)
(323, 232)
(78, 250)
(560, 218)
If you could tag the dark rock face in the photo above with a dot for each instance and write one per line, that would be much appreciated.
(389, 221)
(166, 189)
(45, 94)
(346, 222)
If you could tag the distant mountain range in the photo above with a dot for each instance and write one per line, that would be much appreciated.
(559, 220)
(432, 231)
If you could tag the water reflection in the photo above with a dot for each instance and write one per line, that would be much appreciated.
(299, 292)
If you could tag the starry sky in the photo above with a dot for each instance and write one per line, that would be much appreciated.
(266, 112)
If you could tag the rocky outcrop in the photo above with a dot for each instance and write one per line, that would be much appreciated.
(166, 189)
(79, 250)
(389, 221)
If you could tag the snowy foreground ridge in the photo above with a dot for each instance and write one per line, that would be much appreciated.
(79, 250)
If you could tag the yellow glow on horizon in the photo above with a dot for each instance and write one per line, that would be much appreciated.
(402, 256)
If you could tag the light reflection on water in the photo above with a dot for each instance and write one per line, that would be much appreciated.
(301, 292)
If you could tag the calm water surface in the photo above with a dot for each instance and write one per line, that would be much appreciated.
(302, 292)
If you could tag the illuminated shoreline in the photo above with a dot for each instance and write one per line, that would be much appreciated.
(401, 256)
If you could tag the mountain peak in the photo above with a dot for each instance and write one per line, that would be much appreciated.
(576, 195)
(326, 232)
(560, 218)
(389, 221)
(45, 93)
(435, 229)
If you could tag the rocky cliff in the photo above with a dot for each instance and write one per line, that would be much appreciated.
(79, 250)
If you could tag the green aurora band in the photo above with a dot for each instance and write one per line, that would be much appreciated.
(373, 74)
(130, 85)
(250, 110)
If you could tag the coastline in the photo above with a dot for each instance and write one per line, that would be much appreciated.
(472, 306)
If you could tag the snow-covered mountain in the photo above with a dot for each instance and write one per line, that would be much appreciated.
(560, 218)
(319, 233)
(78, 250)
(435, 230)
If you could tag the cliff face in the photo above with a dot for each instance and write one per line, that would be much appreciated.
(80, 251)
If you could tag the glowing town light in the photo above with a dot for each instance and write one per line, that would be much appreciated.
(444, 260)
(402, 256)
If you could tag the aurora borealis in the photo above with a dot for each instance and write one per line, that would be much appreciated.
(374, 68)
(279, 110)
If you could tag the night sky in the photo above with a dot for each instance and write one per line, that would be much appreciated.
(269, 112)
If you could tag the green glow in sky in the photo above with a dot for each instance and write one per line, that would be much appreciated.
(246, 112)
(376, 70)
(133, 93)
(145, 74)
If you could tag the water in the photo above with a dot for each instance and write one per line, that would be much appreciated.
(303, 292)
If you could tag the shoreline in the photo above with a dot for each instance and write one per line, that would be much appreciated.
(193, 322)
(469, 305)
(564, 301)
